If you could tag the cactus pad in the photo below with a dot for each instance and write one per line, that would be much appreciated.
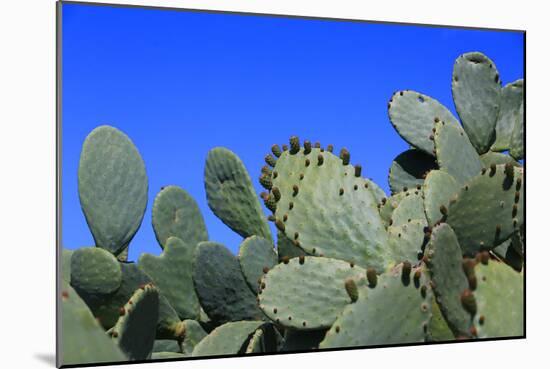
(135, 330)
(307, 293)
(396, 311)
(172, 273)
(227, 339)
(220, 285)
(516, 140)
(194, 333)
(176, 214)
(439, 189)
(497, 158)
(488, 209)
(167, 355)
(409, 169)
(256, 254)
(499, 300)
(231, 196)
(413, 115)
(65, 265)
(166, 346)
(476, 93)
(112, 185)
(95, 271)
(287, 248)
(332, 211)
(406, 240)
(508, 118)
(455, 154)
(438, 329)
(409, 208)
(444, 260)
(508, 253)
(83, 339)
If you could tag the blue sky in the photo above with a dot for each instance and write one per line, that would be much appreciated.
(179, 83)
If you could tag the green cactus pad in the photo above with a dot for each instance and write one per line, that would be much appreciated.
(388, 206)
(376, 191)
(166, 346)
(409, 169)
(497, 158)
(112, 185)
(194, 333)
(406, 240)
(438, 329)
(439, 189)
(396, 311)
(287, 248)
(508, 117)
(172, 273)
(455, 154)
(299, 341)
(167, 355)
(255, 255)
(499, 301)
(95, 271)
(476, 94)
(83, 339)
(135, 329)
(413, 115)
(307, 293)
(220, 285)
(231, 196)
(227, 339)
(516, 140)
(483, 215)
(333, 212)
(409, 208)
(176, 214)
(65, 265)
(444, 260)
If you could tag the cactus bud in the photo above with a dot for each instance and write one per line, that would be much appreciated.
(307, 162)
(320, 159)
(270, 160)
(294, 145)
(280, 225)
(371, 277)
(406, 270)
(330, 148)
(345, 156)
(286, 259)
(509, 170)
(358, 171)
(307, 147)
(276, 193)
(317, 145)
(468, 301)
(301, 259)
(443, 209)
(285, 147)
(493, 169)
(276, 150)
(295, 190)
(265, 181)
(351, 289)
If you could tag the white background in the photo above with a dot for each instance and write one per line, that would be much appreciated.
(27, 181)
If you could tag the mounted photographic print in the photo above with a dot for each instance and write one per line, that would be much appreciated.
(237, 184)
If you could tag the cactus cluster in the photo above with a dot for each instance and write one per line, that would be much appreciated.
(439, 259)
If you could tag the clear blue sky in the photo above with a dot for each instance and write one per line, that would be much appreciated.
(179, 83)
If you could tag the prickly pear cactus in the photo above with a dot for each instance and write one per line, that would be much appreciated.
(440, 258)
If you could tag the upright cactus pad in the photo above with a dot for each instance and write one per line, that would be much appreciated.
(95, 271)
(221, 286)
(135, 330)
(231, 196)
(455, 154)
(65, 265)
(228, 339)
(176, 214)
(491, 157)
(396, 311)
(512, 97)
(112, 185)
(476, 92)
(326, 207)
(444, 260)
(517, 149)
(194, 333)
(438, 190)
(413, 115)
(406, 240)
(499, 301)
(409, 208)
(409, 169)
(172, 273)
(307, 292)
(488, 209)
(256, 257)
(83, 339)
